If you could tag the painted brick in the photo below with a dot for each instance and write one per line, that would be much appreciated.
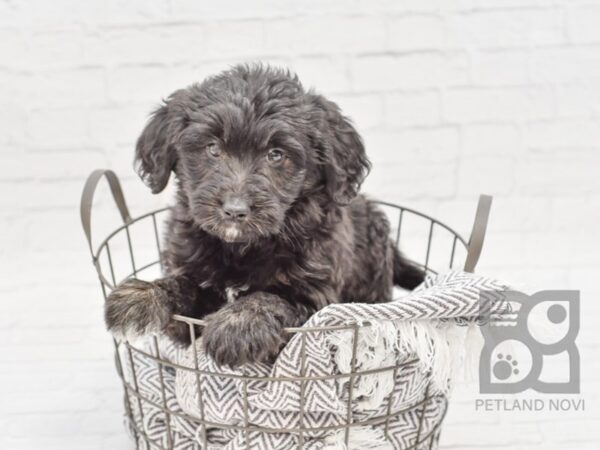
(413, 108)
(242, 40)
(365, 111)
(316, 34)
(501, 67)
(563, 64)
(193, 10)
(578, 100)
(409, 71)
(138, 83)
(583, 23)
(498, 104)
(562, 134)
(326, 75)
(62, 88)
(63, 128)
(414, 145)
(416, 32)
(491, 139)
(493, 176)
(137, 11)
(506, 28)
(149, 44)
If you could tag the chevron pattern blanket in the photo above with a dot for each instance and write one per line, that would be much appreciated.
(424, 330)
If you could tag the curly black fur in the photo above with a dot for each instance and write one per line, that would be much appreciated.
(268, 226)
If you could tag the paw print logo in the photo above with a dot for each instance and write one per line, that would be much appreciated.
(517, 342)
(505, 367)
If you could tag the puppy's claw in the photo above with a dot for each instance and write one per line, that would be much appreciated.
(134, 309)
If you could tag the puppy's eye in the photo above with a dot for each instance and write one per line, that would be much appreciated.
(275, 155)
(213, 150)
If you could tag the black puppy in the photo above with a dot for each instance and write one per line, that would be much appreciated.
(268, 226)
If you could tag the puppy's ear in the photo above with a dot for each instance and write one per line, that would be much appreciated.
(340, 151)
(155, 155)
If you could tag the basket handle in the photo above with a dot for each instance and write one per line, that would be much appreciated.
(478, 233)
(87, 198)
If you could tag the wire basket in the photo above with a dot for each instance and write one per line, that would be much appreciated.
(134, 250)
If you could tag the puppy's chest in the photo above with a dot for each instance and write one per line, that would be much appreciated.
(233, 289)
(275, 271)
(233, 281)
(232, 293)
(233, 284)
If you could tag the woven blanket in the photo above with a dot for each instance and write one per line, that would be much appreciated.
(425, 330)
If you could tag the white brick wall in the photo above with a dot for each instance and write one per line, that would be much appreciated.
(453, 99)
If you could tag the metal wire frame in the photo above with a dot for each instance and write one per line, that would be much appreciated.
(135, 399)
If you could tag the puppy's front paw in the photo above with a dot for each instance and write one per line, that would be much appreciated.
(135, 308)
(246, 331)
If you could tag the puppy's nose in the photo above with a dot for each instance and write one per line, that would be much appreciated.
(236, 208)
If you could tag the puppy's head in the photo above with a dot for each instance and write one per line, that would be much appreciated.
(245, 146)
